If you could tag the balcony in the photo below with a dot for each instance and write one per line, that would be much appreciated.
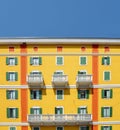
(83, 80)
(59, 80)
(62, 119)
(35, 80)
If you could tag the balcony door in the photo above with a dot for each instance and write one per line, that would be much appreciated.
(58, 113)
(35, 128)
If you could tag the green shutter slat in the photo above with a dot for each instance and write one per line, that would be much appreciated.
(102, 60)
(16, 76)
(31, 94)
(102, 127)
(17, 113)
(31, 111)
(108, 60)
(55, 110)
(102, 93)
(7, 76)
(40, 60)
(61, 110)
(8, 113)
(110, 127)
(107, 75)
(40, 94)
(87, 94)
(111, 93)
(110, 111)
(40, 110)
(102, 112)
(31, 60)
(16, 61)
(78, 111)
(78, 94)
(7, 94)
(7, 61)
(16, 94)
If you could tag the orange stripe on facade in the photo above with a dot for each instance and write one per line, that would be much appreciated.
(95, 90)
(24, 96)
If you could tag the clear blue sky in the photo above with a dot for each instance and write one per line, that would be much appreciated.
(60, 18)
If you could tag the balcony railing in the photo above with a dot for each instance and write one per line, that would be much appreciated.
(84, 80)
(59, 80)
(67, 119)
(35, 80)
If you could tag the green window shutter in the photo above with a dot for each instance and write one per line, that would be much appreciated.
(107, 75)
(111, 93)
(102, 112)
(61, 110)
(31, 61)
(79, 72)
(78, 94)
(78, 110)
(108, 60)
(17, 113)
(40, 60)
(40, 110)
(31, 111)
(16, 61)
(7, 95)
(55, 110)
(110, 111)
(16, 94)
(40, 94)
(110, 127)
(102, 127)
(7, 76)
(59, 60)
(7, 61)
(102, 93)
(87, 94)
(12, 128)
(31, 94)
(16, 76)
(83, 60)
(8, 113)
(102, 60)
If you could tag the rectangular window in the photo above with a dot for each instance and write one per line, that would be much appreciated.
(35, 60)
(11, 49)
(11, 61)
(12, 94)
(58, 110)
(35, 48)
(59, 94)
(59, 60)
(11, 76)
(106, 127)
(59, 49)
(12, 128)
(36, 111)
(36, 128)
(107, 93)
(12, 112)
(59, 128)
(36, 94)
(106, 60)
(106, 75)
(106, 111)
(82, 72)
(82, 110)
(83, 94)
(84, 127)
(83, 60)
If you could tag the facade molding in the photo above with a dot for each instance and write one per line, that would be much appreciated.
(106, 123)
(13, 124)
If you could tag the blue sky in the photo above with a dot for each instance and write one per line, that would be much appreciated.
(60, 18)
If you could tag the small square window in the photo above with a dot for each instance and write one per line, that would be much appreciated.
(83, 94)
(107, 93)
(83, 60)
(11, 76)
(82, 110)
(35, 60)
(11, 61)
(36, 94)
(106, 60)
(11, 49)
(106, 111)
(59, 94)
(59, 60)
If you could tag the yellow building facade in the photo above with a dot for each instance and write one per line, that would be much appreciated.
(59, 84)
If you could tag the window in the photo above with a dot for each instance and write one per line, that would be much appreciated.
(82, 110)
(36, 94)
(106, 127)
(59, 72)
(36, 128)
(12, 94)
(83, 48)
(59, 60)
(106, 75)
(106, 60)
(11, 49)
(107, 93)
(59, 94)
(106, 49)
(59, 128)
(35, 48)
(36, 111)
(83, 94)
(83, 60)
(11, 76)
(106, 111)
(82, 72)
(35, 60)
(59, 49)
(12, 128)
(84, 127)
(58, 110)
(12, 112)
(11, 61)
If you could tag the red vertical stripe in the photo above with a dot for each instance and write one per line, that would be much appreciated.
(24, 94)
(95, 81)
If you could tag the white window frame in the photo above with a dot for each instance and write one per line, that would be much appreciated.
(13, 90)
(110, 60)
(60, 126)
(60, 107)
(9, 61)
(62, 94)
(15, 112)
(36, 90)
(33, 62)
(10, 72)
(104, 75)
(13, 126)
(83, 107)
(62, 60)
(109, 93)
(34, 127)
(80, 60)
(36, 107)
(109, 111)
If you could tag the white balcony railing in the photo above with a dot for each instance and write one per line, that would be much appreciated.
(62, 118)
(84, 78)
